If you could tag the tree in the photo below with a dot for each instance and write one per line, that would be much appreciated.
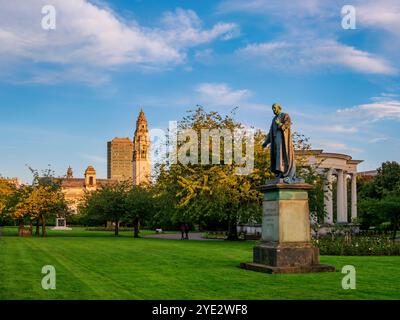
(378, 198)
(7, 192)
(386, 209)
(108, 203)
(387, 179)
(215, 192)
(139, 206)
(39, 203)
(220, 193)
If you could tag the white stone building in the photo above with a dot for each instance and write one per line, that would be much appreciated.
(340, 168)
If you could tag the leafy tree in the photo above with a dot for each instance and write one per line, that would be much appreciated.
(139, 206)
(7, 192)
(378, 197)
(39, 203)
(385, 209)
(207, 193)
(108, 203)
(387, 179)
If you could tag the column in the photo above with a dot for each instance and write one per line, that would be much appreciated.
(340, 199)
(354, 196)
(345, 206)
(328, 202)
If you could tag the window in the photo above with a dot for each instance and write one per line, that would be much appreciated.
(90, 181)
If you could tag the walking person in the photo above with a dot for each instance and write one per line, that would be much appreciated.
(187, 231)
(183, 230)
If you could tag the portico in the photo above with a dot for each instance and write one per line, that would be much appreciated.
(340, 168)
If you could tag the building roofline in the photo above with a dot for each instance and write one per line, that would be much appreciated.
(322, 154)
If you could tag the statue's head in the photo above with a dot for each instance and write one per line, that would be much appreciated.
(276, 108)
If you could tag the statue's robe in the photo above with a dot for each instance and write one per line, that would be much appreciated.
(282, 151)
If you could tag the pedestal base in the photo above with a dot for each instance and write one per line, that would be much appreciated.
(300, 269)
(286, 258)
(61, 228)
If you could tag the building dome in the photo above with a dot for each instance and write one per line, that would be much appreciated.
(90, 170)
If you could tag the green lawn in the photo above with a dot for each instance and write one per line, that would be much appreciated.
(97, 265)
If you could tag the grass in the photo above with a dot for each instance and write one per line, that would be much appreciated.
(97, 265)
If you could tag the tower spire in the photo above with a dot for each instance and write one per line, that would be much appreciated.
(141, 147)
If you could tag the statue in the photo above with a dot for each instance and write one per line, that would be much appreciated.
(283, 162)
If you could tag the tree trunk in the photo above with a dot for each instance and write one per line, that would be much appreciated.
(20, 228)
(37, 228)
(44, 233)
(116, 227)
(232, 230)
(136, 225)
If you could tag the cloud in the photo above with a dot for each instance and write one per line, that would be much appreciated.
(302, 55)
(332, 128)
(308, 32)
(374, 111)
(93, 36)
(266, 7)
(220, 94)
(334, 146)
(375, 140)
(380, 14)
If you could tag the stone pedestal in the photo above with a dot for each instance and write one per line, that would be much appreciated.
(61, 224)
(286, 235)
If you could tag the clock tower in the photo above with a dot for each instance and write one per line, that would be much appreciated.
(141, 151)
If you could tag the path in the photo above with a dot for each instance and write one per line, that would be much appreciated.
(177, 236)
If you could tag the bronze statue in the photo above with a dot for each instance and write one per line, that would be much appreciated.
(283, 162)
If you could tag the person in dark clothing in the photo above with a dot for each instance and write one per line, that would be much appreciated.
(183, 230)
(187, 231)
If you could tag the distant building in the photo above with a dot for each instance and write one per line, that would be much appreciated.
(368, 174)
(129, 160)
(341, 169)
(14, 181)
(141, 148)
(75, 188)
(119, 159)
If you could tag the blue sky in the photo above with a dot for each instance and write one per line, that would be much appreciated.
(65, 92)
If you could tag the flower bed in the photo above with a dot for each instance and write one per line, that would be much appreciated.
(358, 246)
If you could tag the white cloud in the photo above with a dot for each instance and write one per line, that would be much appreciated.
(374, 111)
(331, 128)
(334, 146)
(375, 140)
(220, 94)
(93, 36)
(302, 55)
(267, 7)
(380, 14)
(308, 33)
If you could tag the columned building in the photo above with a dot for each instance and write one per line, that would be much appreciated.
(342, 169)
